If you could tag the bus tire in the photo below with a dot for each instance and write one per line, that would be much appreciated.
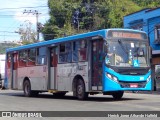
(118, 95)
(81, 94)
(27, 89)
(60, 94)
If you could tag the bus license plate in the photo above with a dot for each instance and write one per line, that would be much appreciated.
(133, 85)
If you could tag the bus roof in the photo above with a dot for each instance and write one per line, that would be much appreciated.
(101, 33)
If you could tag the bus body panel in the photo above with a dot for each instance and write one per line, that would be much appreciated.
(53, 84)
(15, 80)
(37, 76)
(67, 72)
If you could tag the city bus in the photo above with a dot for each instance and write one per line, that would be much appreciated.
(108, 61)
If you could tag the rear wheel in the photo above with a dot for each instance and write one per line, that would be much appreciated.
(81, 94)
(27, 88)
(118, 95)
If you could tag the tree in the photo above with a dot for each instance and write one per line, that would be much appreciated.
(147, 3)
(77, 16)
(28, 35)
(6, 45)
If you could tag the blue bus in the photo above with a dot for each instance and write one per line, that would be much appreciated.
(108, 61)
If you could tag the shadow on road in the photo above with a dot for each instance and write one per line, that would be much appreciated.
(106, 98)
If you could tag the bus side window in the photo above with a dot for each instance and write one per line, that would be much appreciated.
(8, 60)
(61, 53)
(68, 52)
(31, 56)
(75, 51)
(65, 53)
(82, 50)
(41, 56)
(22, 58)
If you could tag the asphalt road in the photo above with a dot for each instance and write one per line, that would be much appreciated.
(15, 101)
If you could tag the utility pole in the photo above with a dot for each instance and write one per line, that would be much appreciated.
(34, 12)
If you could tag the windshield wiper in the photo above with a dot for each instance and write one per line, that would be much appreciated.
(123, 48)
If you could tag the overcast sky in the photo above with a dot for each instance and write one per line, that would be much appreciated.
(12, 16)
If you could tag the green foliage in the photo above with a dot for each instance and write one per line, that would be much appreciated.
(118, 9)
(60, 21)
(28, 35)
(147, 3)
(92, 16)
(26, 42)
(4, 46)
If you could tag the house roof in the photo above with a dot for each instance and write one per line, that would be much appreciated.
(145, 9)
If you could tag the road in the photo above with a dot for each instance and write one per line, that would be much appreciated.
(15, 101)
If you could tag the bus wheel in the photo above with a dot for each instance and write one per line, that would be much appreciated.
(81, 94)
(117, 95)
(27, 88)
(60, 94)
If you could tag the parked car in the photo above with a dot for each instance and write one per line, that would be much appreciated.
(2, 70)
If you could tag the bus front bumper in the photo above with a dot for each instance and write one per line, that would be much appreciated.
(111, 85)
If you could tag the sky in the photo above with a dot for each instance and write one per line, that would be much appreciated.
(12, 16)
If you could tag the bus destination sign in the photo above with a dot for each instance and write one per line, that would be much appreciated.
(126, 34)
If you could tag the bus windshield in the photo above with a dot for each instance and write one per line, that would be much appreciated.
(127, 53)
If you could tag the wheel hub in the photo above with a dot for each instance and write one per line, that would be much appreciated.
(80, 90)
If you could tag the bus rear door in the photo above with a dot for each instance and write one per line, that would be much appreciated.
(53, 61)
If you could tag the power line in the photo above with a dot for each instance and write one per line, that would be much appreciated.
(8, 35)
(7, 32)
(4, 16)
(22, 7)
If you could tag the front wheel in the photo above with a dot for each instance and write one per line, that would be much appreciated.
(118, 95)
(81, 94)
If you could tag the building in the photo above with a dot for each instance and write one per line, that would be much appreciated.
(147, 20)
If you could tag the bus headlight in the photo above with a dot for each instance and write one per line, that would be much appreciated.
(148, 79)
(112, 77)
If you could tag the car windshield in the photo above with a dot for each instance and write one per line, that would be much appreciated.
(125, 52)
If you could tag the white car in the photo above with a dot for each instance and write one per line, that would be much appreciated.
(2, 70)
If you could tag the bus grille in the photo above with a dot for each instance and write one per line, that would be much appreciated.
(128, 85)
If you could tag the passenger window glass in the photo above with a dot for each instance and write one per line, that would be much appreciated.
(82, 52)
(31, 57)
(65, 53)
(22, 58)
(75, 51)
(8, 60)
(41, 56)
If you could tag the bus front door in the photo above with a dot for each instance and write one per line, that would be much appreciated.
(97, 49)
(53, 61)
